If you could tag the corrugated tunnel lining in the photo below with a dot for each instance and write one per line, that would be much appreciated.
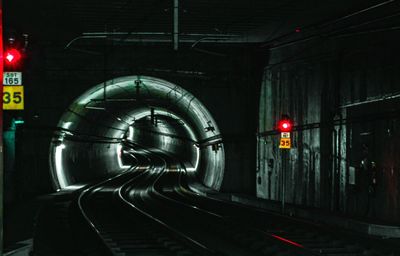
(130, 99)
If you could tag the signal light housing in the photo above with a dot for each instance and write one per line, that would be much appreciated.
(285, 125)
(12, 57)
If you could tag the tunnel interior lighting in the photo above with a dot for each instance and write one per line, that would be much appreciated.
(62, 180)
(119, 157)
(179, 105)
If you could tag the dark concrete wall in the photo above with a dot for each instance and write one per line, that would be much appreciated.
(319, 84)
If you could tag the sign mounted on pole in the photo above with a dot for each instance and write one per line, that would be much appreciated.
(1, 132)
(13, 91)
(285, 126)
(12, 78)
(285, 143)
(13, 97)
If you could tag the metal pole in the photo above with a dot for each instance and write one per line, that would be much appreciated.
(284, 158)
(1, 129)
(175, 38)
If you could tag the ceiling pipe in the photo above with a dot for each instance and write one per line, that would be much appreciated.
(321, 26)
(384, 98)
(84, 37)
(357, 13)
(160, 37)
(153, 33)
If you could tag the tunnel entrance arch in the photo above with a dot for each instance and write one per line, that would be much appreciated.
(146, 110)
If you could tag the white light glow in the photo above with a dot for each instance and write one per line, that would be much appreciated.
(196, 165)
(9, 57)
(73, 187)
(67, 125)
(130, 133)
(119, 157)
(59, 166)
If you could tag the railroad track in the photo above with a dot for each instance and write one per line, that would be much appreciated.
(126, 229)
(214, 231)
(152, 210)
(312, 238)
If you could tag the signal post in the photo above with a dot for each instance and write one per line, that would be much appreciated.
(1, 130)
(285, 127)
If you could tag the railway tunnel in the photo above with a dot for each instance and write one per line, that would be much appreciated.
(170, 127)
(148, 111)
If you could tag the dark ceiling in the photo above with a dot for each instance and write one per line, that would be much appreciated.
(246, 21)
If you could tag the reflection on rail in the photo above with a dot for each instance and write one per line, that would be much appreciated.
(152, 209)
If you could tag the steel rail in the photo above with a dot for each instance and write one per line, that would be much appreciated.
(121, 193)
(303, 225)
(86, 192)
(313, 246)
(221, 219)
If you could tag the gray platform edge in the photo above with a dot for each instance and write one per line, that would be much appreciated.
(385, 231)
(346, 223)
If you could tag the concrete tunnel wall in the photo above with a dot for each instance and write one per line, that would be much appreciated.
(360, 87)
(87, 143)
(165, 132)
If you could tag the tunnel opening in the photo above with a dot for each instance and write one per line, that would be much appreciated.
(168, 132)
(147, 111)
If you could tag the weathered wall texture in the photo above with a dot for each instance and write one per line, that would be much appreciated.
(343, 95)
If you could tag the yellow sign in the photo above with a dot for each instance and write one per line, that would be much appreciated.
(285, 143)
(13, 97)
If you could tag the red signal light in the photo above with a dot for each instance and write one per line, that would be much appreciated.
(285, 125)
(12, 56)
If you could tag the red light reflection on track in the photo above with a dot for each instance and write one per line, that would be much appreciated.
(287, 241)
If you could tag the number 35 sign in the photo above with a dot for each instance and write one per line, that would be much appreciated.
(285, 143)
(13, 97)
(13, 91)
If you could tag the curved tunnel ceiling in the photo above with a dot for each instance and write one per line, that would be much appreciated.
(91, 130)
